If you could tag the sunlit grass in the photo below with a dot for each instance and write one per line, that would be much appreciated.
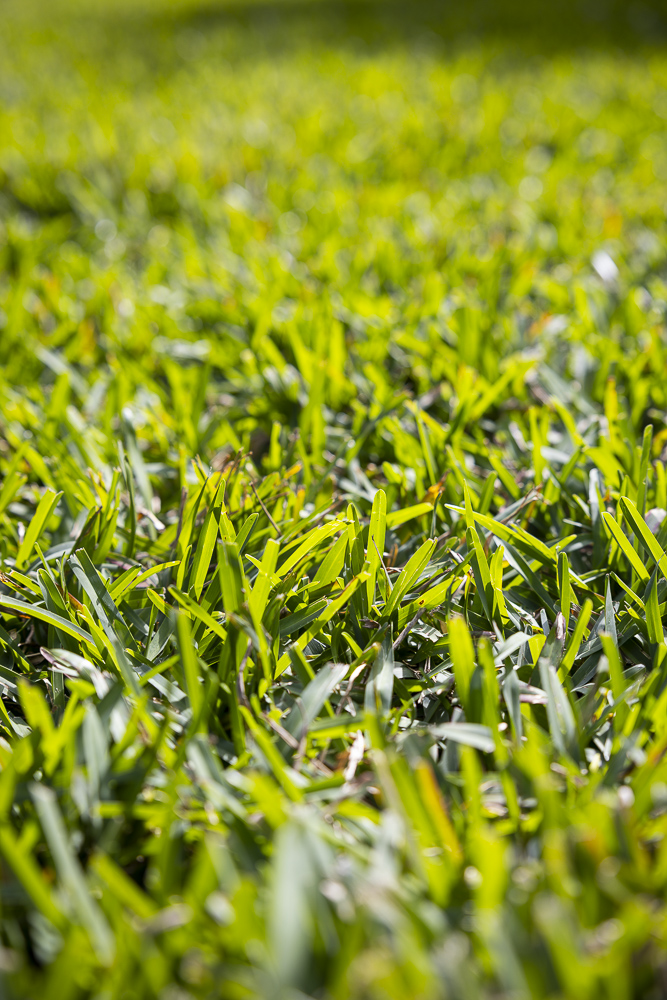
(332, 431)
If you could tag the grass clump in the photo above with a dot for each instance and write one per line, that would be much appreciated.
(332, 516)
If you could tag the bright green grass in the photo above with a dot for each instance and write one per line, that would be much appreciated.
(332, 429)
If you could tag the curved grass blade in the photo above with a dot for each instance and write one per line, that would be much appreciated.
(30, 611)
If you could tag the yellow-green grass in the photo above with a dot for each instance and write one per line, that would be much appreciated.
(332, 430)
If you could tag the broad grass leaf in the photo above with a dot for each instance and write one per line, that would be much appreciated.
(31, 611)
(409, 574)
(564, 588)
(626, 548)
(644, 534)
(37, 525)
(576, 638)
(204, 552)
(231, 576)
(463, 657)
(375, 547)
(290, 917)
(312, 699)
(332, 565)
(562, 724)
(469, 734)
(71, 875)
(380, 684)
(396, 518)
(653, 618)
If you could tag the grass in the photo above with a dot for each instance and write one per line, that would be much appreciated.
(332, 443)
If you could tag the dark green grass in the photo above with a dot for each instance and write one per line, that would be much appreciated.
(332, 440)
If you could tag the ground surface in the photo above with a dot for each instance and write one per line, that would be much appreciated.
(332, 428)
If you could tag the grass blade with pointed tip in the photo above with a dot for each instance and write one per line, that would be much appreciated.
(565, 590)
(644, 534)
(410, 572)
(375, 548)
(37, 525)
(576, 638)
(626, 548)
(29, 610)
(653, 619)
(380, 685)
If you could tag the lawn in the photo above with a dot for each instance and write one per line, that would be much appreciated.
(333, 534)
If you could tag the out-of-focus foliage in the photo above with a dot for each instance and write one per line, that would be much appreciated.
(332, 513)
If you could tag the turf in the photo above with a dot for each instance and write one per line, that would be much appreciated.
(332, 441)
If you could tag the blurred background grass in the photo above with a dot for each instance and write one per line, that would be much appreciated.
(207, 173)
